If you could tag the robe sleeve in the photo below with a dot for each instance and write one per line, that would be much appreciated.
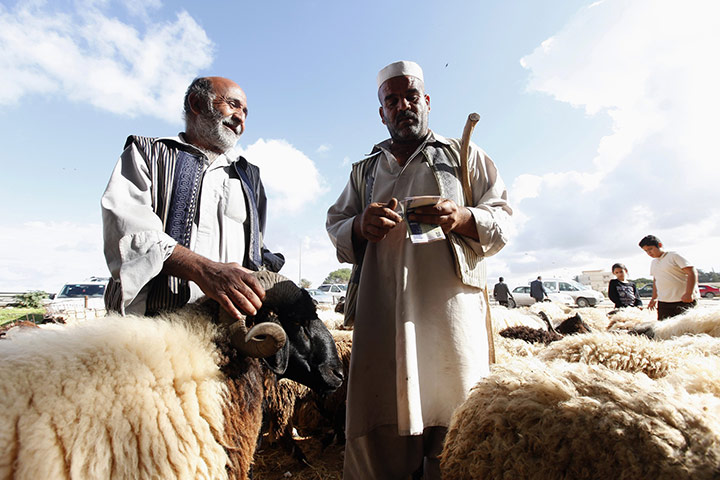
(135, 244)
(491, 210)
(339, 223)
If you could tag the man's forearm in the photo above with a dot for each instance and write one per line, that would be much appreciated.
(691, 280)
(186, 264)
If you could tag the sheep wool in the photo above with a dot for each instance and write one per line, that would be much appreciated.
(117, 397)
(559, 420)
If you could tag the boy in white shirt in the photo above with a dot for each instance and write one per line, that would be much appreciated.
(675, 287)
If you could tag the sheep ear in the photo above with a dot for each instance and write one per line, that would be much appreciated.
(278, 362)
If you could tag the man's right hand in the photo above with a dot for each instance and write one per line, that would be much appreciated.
(232, 286)
(377, 220)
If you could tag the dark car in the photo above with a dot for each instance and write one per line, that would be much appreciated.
(646, 290)
(708, 291)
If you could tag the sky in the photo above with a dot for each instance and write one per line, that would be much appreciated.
(601, 117)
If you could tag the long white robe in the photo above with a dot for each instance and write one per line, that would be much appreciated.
(419, 341)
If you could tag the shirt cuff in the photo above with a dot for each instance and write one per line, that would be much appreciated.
(344, 242)
(142, 255)
(490, 236)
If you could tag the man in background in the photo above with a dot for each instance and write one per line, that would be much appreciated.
(501, 292)
(537, 290)
(675, 280)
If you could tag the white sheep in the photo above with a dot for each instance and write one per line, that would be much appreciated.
(141, 398)
(557, 420)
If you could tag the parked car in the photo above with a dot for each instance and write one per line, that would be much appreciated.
(708, 291)
(583, 295)
(522, 298)
(78, 296)
(336, 290)
(319, 296)
(646, 290)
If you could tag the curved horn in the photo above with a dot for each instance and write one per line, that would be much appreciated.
(263, 340)
(547, 321)
(267, 338)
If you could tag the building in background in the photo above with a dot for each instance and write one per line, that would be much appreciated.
(596, 279)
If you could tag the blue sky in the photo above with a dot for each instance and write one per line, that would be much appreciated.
(600, 116)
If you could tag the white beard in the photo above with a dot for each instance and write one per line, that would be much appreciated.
(211, 128)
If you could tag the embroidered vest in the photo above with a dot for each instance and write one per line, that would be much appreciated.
(175, 176)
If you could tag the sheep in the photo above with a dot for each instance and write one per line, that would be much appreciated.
(695, 320)
(166, 397)
(554, 420)
(290, 405)
(657, 401)
(569, 326)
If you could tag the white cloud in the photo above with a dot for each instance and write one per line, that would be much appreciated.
(43, 256)
(324, 148)
(650, 66)
(291, 179)
(88, 56)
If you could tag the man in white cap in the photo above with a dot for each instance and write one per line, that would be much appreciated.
(419, 341)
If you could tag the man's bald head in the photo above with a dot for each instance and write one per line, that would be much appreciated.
(215, 111)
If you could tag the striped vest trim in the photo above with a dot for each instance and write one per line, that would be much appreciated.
(175, 176)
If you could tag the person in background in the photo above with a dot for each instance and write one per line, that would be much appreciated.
(420, 340)
(501, 292)
(623, 293)
(537, 290)
(183, 217)
(675, 280)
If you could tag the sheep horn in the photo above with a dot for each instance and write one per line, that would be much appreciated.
(547, 321)
(267, 338)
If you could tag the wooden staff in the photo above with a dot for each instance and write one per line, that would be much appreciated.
(472, 120)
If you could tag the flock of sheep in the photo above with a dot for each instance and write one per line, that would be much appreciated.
(134, 397)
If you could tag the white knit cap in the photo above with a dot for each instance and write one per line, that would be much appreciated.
(402, 68)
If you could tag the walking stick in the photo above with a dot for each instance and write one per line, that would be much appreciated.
(472, 120)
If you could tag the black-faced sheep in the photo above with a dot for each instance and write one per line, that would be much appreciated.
(290, 405)
(142, 398)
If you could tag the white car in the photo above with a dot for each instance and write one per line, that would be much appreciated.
(319, 296)
(78, 296)
(336, 290)
(583, 296)
(522, 298)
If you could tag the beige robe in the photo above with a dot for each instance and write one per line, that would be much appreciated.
(419, 341)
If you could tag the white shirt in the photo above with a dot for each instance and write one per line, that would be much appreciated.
(217, 232)
(670, 280)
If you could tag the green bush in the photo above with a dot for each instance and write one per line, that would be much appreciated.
(32, 299)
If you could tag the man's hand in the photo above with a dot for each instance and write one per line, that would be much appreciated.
(449, 216)
(229, 284)
(233, 287)
(652, 304)
(377, 220)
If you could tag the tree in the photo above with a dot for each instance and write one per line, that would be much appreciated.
(305, 283)
(341, 275)
(641, 282)
(704, 276)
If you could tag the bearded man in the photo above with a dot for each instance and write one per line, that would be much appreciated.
(183, 218)
(419, 341)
